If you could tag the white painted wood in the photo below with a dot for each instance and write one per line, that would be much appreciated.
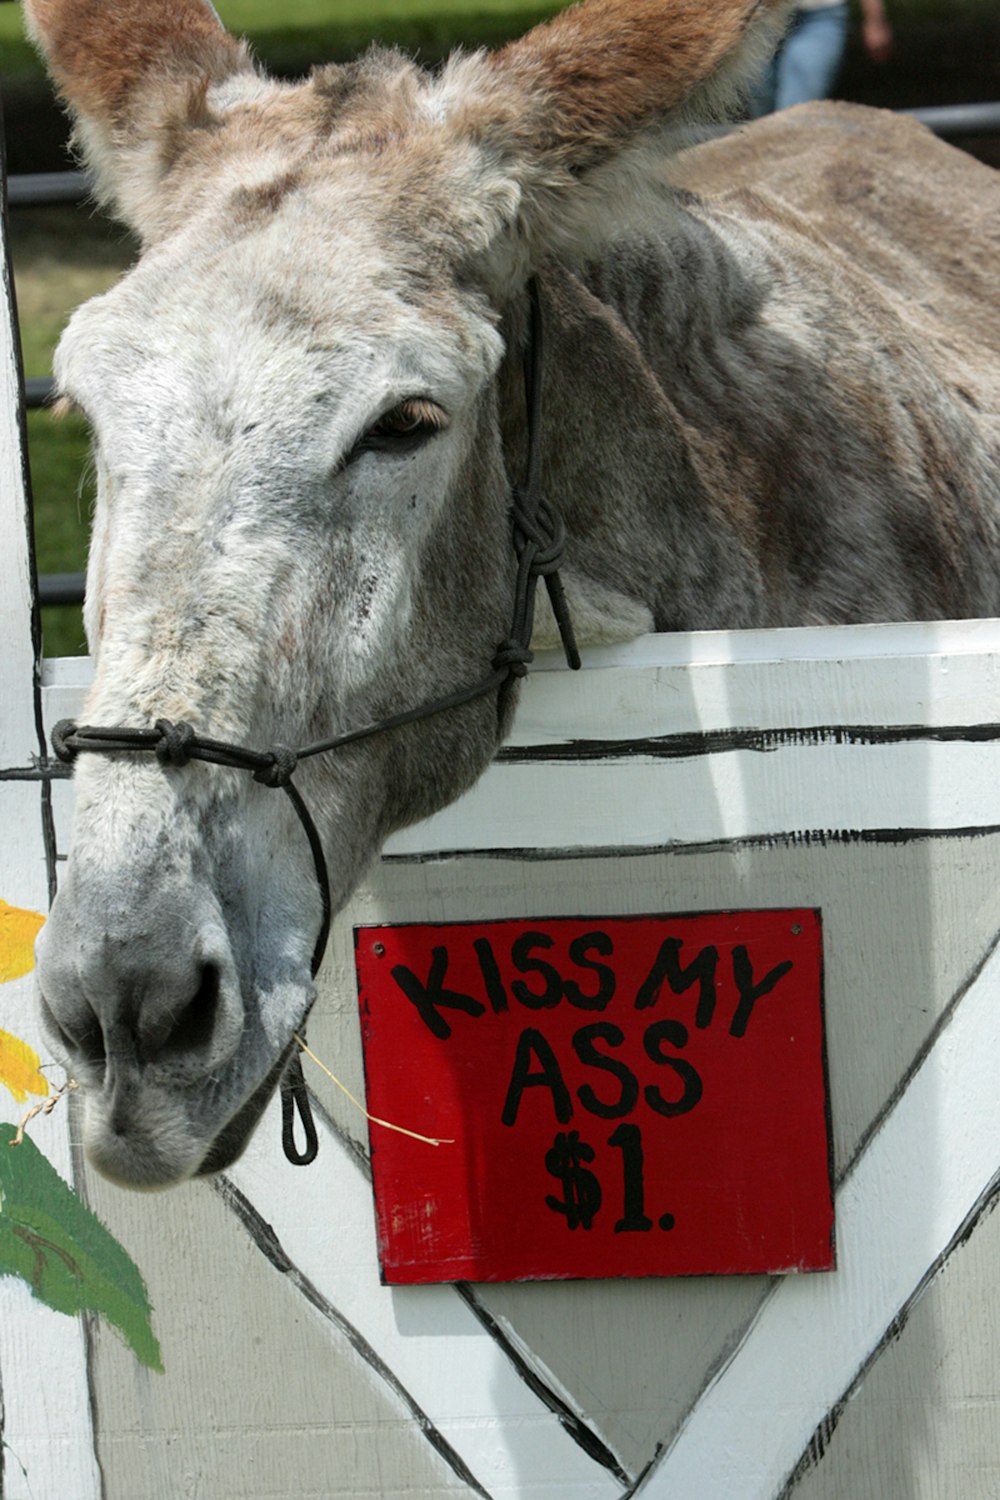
(643, 802)
(47, 1428)
(74, 673)
(913, 673)
(886, 675)
(431, 1342)
(897, 639)
(18, 739)
(935, 673)
(47, 1424)
(919, 1176)
(898, 1210)
(934, 1390)
(901, 675)
(731, 795)
(903, 925)
(43, 1355)
(428, 1337)
(640, 804)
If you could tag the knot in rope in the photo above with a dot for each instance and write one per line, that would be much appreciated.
(175, 744)
(543, 534)
(513, 657)
(60, 737)
(281, 768)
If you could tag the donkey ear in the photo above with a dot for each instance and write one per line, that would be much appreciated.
(578, 106)
(131, 72)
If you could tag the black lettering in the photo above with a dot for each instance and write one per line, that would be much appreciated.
(490, 970)
(520, 955)
(531, 1044)
(750, 993)
(628, 1139)
(432, 995)
(582, 1194)
(599, 942)
(667, 966)
(583, 1046)
(675, 1035)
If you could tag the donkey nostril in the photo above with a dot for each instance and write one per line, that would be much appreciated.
(84, 1043)
(194, 1026)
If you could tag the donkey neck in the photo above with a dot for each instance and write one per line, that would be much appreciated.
(655, 540)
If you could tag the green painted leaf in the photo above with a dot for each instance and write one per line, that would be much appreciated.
(63, 1251)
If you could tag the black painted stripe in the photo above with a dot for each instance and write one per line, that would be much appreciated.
(90, 1338)
(722, 741)
(266, 1240)
(675, 746)
(90, 1320)
(49, 842)
(571, 1423)
(46, 771)
(807, 837)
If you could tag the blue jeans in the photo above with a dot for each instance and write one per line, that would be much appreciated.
(805, 65)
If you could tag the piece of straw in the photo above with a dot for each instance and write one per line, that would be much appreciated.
(44, 1107)
(428, 1140)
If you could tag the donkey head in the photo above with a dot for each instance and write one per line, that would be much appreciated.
(303, 511)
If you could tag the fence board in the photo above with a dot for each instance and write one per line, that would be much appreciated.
(46, 1422)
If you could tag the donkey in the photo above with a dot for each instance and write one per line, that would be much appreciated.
(772, 397)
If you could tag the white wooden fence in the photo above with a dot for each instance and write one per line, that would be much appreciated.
(856, 771)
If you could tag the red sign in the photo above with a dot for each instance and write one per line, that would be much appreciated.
(620, 1097)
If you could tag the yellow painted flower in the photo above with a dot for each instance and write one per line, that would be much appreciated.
(18, 1062)
(19, 1070)
(18, 930)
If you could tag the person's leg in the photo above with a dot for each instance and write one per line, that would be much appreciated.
(765, 92)
(810, 58)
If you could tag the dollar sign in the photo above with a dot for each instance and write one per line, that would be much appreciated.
(581, 1190)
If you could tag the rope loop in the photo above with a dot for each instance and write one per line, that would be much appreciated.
(295, 1101)
(175, 744)
(280, 770)
(60, 741)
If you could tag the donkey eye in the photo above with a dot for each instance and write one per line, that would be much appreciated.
(407, 424)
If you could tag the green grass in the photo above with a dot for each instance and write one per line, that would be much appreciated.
(315, 30)
(292, 36)
(60, 479)
(61, 257)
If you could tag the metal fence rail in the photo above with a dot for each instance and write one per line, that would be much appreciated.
(37, 189)
(962, 120)
(47, 187)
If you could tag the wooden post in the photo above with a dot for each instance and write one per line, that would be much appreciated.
(45, 1418)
